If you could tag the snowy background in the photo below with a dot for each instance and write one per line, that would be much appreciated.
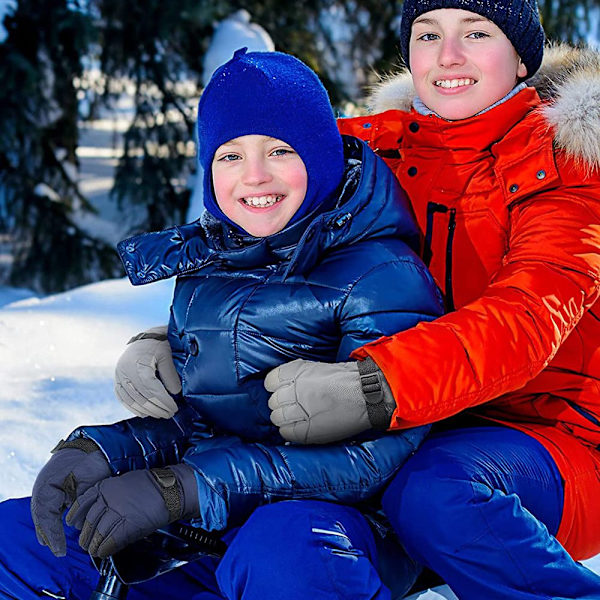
(57, 353)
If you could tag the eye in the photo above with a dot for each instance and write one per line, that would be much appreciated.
(282, 152)
(228, 157)
(429, 37)
(478, 35)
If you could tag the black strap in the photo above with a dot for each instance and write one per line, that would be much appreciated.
(84, 444)
(167, 483)
(148, 335)
(372, 387)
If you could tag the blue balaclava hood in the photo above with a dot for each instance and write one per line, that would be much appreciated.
(273, 94)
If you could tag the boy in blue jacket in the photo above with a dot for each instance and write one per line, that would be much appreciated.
(307, 249)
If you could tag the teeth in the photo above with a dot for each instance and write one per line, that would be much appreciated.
(260, 201)
(453, 83)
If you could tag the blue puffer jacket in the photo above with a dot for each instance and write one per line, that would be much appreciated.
(317, 290)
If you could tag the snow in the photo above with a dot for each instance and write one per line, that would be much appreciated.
(6, 6)
(57, 357)
(43, 190)
(234, 32)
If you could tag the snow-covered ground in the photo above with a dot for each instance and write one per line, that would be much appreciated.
(57, 356)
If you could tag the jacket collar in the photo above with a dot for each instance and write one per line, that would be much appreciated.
(568, 83)
(370, 205)
(467, 139)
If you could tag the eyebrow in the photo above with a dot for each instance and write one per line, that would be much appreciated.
(466, 20)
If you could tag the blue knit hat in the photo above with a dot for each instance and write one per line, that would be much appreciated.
(518, 19)
(273, 94)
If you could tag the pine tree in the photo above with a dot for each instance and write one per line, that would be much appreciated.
(567, 20)
(38, 138)
(158, 46)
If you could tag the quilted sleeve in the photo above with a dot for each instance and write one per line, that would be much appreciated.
(496, 344)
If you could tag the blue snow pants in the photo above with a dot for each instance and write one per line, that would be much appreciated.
(480, 507)
(293, 550)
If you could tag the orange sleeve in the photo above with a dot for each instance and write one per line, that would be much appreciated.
(499, 342)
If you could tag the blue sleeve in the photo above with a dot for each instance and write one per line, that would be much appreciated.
(236, 478)
(145, 443)
(390, 297)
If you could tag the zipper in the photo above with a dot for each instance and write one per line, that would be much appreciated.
(449, 242)
(432, 209)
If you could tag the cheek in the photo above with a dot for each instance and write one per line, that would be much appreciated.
(419, 67)
(297, 179)
(220, 185)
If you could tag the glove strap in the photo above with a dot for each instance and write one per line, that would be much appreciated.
(372, 387)
(148, 335)
(167, 483)
(85, 444)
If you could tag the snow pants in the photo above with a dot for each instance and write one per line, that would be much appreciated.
(480, 507)
(293, 550)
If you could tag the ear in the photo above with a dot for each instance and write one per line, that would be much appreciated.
(521, 70)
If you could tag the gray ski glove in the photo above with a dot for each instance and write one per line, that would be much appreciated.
(121, 510)
(145, 375)
(74, 467)
(316, 403)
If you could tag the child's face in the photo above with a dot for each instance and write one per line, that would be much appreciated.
(259, 182)
(461, 62)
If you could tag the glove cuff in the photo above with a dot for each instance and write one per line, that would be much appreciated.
(148, 335)
(85, 444)
(177, 484)
(167, 485)
(186, 479)
(378, 396)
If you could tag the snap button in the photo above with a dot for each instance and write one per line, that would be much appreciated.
(513, 188)
(412, 171)
(414, 127)
(193, 347)
(367, 125)
(541, 174)
(339, 222)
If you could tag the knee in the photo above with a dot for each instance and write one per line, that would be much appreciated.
(290, 549)
(267, 548)
(430, 502)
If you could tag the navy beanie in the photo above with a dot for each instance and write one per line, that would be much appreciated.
(518, 19)
(273, 94)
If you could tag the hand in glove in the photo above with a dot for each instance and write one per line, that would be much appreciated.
(316, 403)
(120, 510)
(145, 375)
(74, 467)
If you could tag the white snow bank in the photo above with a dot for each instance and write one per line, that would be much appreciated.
(57, 358)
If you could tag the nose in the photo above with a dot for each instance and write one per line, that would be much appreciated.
(451, 53)
(255, 171)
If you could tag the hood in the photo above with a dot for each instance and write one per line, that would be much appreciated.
(569, 84)
(370, 205)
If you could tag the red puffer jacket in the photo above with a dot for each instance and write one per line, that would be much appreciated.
(509, 205)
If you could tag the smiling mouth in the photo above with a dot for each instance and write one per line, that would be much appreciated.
(453, 83)
(262, 201)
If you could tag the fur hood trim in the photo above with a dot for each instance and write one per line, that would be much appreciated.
(569, 80)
